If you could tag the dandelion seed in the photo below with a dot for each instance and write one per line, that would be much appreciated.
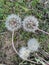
(24, 53)
(33, 45)
(30, 24)
(13, 22)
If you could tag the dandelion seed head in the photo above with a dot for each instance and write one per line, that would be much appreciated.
(13, 22)
(24, 53)
(33, 45)
(30, 24)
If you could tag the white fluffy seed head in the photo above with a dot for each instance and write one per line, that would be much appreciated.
(30, 24)
(33, 45)
(24, 53)
(13, 22)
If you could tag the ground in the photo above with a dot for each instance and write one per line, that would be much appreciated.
(22, 8)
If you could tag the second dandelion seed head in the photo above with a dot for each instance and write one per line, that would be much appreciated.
(30, 24)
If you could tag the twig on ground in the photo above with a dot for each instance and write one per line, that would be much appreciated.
(42, 59)
(45, 54)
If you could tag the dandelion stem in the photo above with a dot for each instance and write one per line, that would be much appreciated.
(13, 43)
(43, 31)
